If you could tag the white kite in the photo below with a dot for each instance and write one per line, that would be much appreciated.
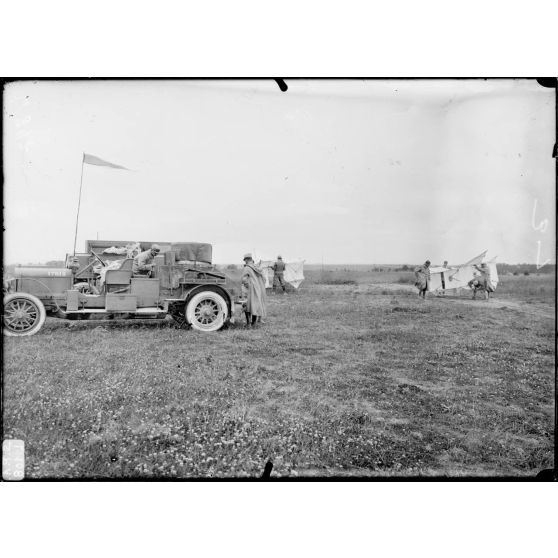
(463, 275)
(294, 272)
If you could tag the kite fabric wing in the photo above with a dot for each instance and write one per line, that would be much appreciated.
(294, 272)
(475, 261)
(267, 272)
(493, 273)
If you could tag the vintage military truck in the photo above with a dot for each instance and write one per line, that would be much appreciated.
(100, 284)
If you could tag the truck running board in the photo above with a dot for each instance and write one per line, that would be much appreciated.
(99, 313)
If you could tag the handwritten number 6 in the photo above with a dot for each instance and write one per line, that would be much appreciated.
(543, 225)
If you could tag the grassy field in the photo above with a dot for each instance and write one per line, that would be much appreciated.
(351, 375)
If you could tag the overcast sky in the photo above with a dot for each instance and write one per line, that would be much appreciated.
(348, 171)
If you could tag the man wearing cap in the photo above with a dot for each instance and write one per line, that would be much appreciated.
(422, 274)
(143, 261)
(279, 273)
(253, 291)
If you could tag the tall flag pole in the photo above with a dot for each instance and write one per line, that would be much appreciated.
(97, 161)
(79, 201)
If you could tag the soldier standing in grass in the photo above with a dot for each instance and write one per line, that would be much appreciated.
(253, 291)
(279, 273)
(483, 282)
(422, 274)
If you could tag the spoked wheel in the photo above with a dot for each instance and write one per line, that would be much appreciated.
(24, 314)
(207, 311)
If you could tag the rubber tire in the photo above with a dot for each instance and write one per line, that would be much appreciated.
(38, 323)
(218, 323)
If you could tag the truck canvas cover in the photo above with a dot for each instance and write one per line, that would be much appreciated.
(185, 251)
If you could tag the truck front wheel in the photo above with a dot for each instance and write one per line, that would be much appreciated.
(206, 311)
(24, 314)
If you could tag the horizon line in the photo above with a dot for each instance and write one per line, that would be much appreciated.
(326, 263)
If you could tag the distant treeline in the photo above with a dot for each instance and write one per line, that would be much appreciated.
(503, 268)
(523, 269)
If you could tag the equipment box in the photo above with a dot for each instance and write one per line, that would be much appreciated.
(121, 303)
(146, 290)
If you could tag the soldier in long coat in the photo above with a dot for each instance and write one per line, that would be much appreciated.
(253, 291)
(422, 274)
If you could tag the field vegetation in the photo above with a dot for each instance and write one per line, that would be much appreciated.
(351, 375)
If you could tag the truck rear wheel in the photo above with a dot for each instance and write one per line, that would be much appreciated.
(206, 311)
(24, 315)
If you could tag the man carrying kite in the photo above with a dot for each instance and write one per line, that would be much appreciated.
(482, 283)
